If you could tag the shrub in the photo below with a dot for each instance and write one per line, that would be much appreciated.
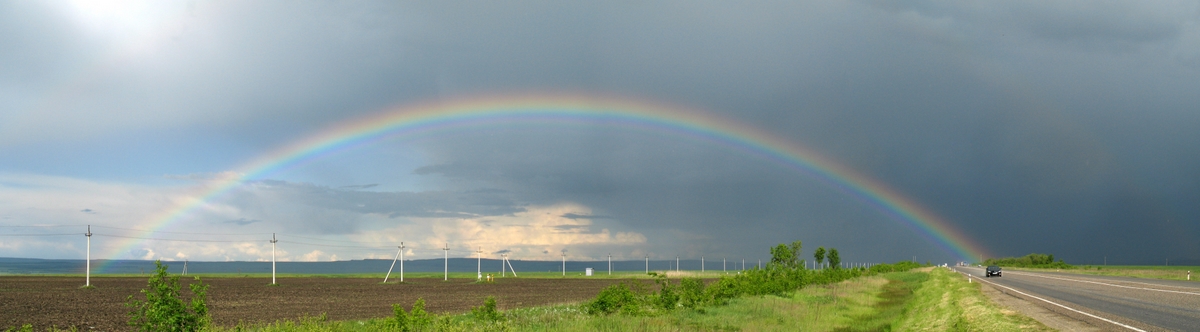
(691, 293)
(723, 290)
(487, 312)
(400, 318)
(666, 299)
(611, 299)
(418, 318)
(163, 310)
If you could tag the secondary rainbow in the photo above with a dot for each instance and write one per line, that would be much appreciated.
(591, 110)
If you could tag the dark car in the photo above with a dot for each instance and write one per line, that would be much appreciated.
(993, 270)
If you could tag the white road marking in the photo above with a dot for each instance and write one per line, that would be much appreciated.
(1108, 284)
(1062, 306)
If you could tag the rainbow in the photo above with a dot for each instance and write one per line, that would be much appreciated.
(435, 116)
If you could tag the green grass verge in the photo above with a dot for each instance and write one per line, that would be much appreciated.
(1135, 271)
(947, 302)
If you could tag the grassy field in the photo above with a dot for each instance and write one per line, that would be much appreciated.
(933, 299)
(1135, 271)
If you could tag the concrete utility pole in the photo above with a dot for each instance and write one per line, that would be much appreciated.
(446, 266)
(479, 264)
(564, 252)
(722, 264)
(610, 264)
(676, 263)
(401, 261)
(389, 274)
(88, 279)
(701, 264)
(647, 264)
(273, 240)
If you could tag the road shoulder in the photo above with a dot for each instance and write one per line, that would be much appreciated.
(1013, 302)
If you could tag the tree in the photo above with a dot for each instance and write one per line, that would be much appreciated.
(795, 253)
(834, 259)
(782, 256)
(819, 255)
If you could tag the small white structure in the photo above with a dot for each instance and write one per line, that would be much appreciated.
(588, 272)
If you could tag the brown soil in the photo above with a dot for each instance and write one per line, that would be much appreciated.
(59, 301)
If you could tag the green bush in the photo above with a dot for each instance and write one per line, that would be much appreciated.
(691, 293)
(487, 312)
(723, 290)
(418, 318)
(666, 299)
(400, 318)
(163, 310)
(612, 299)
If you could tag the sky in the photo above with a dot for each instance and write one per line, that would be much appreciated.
(1064, 127)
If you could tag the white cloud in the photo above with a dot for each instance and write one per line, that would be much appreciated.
(539, 233)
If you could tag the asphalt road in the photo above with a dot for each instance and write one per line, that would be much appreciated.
(1145, 304)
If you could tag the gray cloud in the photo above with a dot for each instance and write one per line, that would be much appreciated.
(242, 221)
(439, 204)
(584, 216)
(1030, 125)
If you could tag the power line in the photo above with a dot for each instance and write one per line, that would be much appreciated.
(56, 234)
(170, 232)
(335, 245)
(173, 240)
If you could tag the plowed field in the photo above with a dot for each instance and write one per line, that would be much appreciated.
(58, 301)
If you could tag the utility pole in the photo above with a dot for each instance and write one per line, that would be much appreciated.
(479, 264)
(401, 261)
(273, 240)
(701, 264)
(389, 274)
(676, 263)
(564, 252)
(88, 279)
(647, 264)
(185, 266)
(610, 264)
(722, 264)
(446, 264)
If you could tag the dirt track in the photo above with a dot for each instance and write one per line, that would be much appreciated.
(46, 301)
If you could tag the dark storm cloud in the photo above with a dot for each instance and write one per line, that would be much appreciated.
(1030, 125)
